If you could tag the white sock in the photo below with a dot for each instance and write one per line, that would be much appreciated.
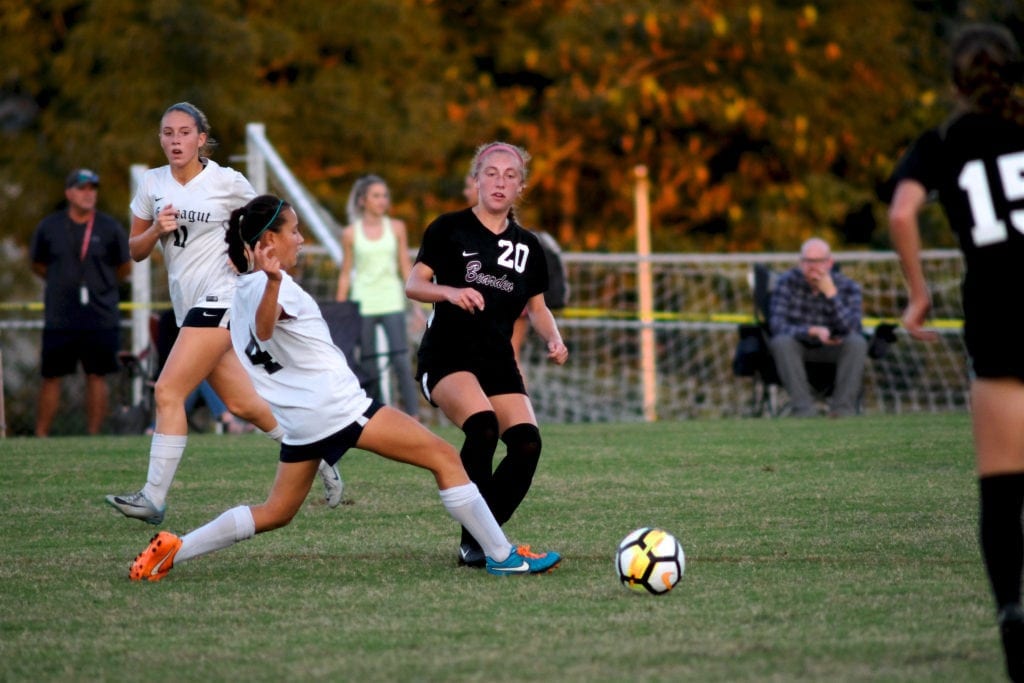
(165, 451)
(469, 508)
(277, 433)
(232, 526)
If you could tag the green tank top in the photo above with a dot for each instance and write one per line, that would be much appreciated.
(376, 284)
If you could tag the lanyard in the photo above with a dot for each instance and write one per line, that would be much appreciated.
(88, 235)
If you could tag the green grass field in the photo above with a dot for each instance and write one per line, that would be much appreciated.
(816, 551)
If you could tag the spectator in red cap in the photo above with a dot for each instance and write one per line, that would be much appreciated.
(82, 254)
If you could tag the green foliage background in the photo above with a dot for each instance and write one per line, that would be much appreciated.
(760, 122)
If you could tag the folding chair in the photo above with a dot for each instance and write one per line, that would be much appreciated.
(753, 357)
(757, 361)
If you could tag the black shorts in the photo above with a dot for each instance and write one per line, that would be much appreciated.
(95, 349)
(988, 366)
(498, 374)
(206, 317)
(994, 350)
(331, 448)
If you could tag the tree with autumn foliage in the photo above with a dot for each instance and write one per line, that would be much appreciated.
(761, 123)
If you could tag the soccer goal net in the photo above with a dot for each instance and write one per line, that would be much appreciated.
(699, 303)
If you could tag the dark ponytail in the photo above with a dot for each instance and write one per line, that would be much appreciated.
(986, 66)
(248, 223)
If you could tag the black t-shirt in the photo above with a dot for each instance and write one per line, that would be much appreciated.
(976, 165)
(57, 243)
(508, 269)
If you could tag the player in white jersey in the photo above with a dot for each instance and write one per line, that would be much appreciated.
(288, 369)
(185, 206)
(198, 275)
(281, 339)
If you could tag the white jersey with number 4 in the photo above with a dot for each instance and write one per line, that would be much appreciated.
(198, 270)
(299, 371)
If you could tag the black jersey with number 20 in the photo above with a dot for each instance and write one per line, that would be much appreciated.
(976, 164)
(507, 269)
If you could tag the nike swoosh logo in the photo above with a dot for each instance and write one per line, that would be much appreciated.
(209, 315)
(156, 199)
(470, 253)
(156, 567)
(521, 569)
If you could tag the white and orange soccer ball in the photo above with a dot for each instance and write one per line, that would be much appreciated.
(650, 560)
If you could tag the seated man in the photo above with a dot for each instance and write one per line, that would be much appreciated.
(815, 316)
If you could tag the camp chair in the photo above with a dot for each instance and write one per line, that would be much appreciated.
(754, 359)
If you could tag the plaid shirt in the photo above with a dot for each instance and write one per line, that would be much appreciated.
(795, 306)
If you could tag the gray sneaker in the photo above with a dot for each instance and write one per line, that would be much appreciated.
(138, 506)
(333, 485)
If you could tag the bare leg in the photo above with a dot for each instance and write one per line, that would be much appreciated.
(997, 409)
(397, 436)
(196, 352)
(231, 382)
(291, 485)
(241, 523)
(49, 399)
(519, 332)
(97, 401)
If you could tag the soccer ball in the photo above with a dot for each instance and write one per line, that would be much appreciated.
(650, 561)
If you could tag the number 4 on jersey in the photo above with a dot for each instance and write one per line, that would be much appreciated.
(258, 356)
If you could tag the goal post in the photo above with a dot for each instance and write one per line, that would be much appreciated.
(645, 293)
(3, 412)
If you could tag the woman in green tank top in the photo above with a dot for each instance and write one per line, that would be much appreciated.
(374, 269)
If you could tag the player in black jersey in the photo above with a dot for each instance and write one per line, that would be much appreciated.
(974, 161)
(479, 269)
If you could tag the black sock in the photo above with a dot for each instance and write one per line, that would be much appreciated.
(513, 477)
(1001, 534)
(481, 430)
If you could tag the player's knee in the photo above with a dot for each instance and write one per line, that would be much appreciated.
(167, 394)
(477, 454)
(248, 408)
(523, 441)
(481, 429)
(272, 517)
(445, 461)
